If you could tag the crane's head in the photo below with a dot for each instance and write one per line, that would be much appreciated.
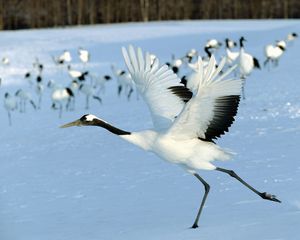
(85, 120)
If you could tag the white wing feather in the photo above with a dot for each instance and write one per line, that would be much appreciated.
(153, 83)
(198, 113)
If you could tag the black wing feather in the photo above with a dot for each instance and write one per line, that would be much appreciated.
(182, 92)
(224, 113)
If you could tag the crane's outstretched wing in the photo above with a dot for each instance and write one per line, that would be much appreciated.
(159, 86)
(211, 111)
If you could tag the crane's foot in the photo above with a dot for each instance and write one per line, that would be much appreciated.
(270, 197)
(195, 225)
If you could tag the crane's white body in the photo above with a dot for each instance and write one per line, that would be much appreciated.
(5, 61)
(246, 63)
(74, 73)
(84, 55)
(10, 103)
(231, 56)
(273, 52)
(65, 57)
(24, 96)
(60, 95)
(124, 78)
(99, 82)
(191, 154)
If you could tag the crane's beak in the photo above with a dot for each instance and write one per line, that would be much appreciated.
(72, 124)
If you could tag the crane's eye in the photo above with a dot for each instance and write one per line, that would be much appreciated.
(84, 118)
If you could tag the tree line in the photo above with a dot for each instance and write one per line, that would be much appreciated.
(20, 14)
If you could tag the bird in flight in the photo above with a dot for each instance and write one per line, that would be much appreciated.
(186, 121)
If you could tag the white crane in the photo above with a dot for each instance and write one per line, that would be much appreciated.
(124, 79)
(185, 124)
(76, 74)
(74, 86)
(291, 36)
(190, 55)
(231, 56)
(246, 63)
(84, 55)
(10, 104)
(273, 53)
(61, 96)
(38, 66)
(5, 61)
(99, 82)
(65, 57)
(230, 43)
(39, 89)
(89, 91)
(24, 96)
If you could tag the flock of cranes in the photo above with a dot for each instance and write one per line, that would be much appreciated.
(91, 85)
(190, 111)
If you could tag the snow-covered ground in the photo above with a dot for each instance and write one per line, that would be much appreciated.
(85, 184)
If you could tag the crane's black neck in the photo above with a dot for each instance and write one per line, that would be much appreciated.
(227, 42)
(107, 126)
(206, 49)
(242, 42)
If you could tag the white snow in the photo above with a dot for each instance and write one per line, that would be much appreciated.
(86, 184)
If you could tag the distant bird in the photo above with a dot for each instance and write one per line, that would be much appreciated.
(230, 43)
(75, 74)
(5, 61)
(65, 57)
(205, 59)
(53, 85)
(10, 104)
(99, 82)
(84, 55)
(61, 96)
(28, 77)
(291, 36)
(175, 64)
(74, 86)
(246, 63)
(39, 89)
(231, 56)
(190, 55)
(24, 96)
(185, 123)
(208, 52)
(89, 92)
(124, 79)
(213, 43)
(273, 53)
(38, 66)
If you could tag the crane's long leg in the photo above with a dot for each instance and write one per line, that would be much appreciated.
(206, 187)
(263, 195)
(9, 117)
(243, 87)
